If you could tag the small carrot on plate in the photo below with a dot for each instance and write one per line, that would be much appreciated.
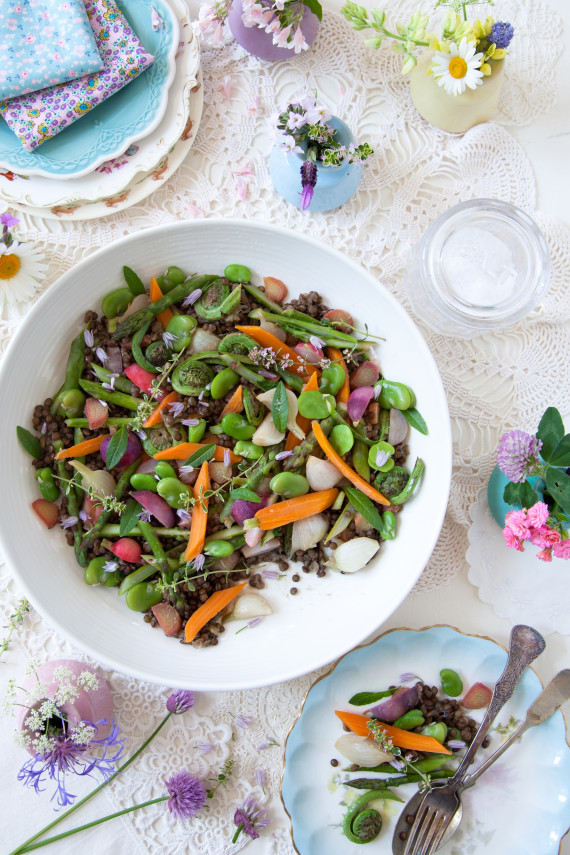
(402, 738)
(282, 513)
(214, 604)
(155, 294)
(235, 404)
(88, 446)
(345, 469)
(199, 514)
(156, 415)
(184, 449)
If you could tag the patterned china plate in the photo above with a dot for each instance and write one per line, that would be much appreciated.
(521, 806)
(118, 122)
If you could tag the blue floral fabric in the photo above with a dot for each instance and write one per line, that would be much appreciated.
(44, 42)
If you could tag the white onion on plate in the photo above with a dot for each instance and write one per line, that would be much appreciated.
(308, 532)
(100, 480)
(361, 750)
(354, 554)
(267, 398)
(321, 474)
(203, 340)
(399, 427)
(249, 606)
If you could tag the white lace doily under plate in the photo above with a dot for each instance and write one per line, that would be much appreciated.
(132, 176)
(516, 585)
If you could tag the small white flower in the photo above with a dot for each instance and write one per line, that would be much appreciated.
(458, 69)
(22, 269)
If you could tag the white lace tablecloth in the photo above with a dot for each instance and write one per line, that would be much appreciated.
(493, 382)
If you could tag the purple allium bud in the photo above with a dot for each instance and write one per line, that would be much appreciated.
(187, 795)
(308, 182)
(180, 701)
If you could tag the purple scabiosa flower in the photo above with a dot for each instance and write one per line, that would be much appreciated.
(249, 818)
(187, 795)
(501, 34)
(517, 454)
(180, 701)
(308, 182)
(191, 298)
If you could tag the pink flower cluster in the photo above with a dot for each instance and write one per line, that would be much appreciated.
(530, 525)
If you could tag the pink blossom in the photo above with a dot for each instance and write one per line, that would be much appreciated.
(299, 42)
(516, 521)
(241, 188)
(280, 37)
(252, 108)
(226, 87)
(245, 169)
(545, 555)
(194, 210)
(562, 549)
(537, 515)
(512, 540)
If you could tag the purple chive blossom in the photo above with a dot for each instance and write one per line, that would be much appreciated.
(398, 765)
(270, 574)
(254, 621)
(169, 338)
(243, 721)
(180, 701)
(183, 515)
(187, 795)
(308, 182)
(141, 434)
(227, 457)
(199, 562)
(407, 677)
(8, 220)
(201, 396)
(456, 744)
(144, 515)
(176, 408)
(83, 516)
(205, 748)
(110, 566)
(190, 422)
(517, 454)
(249, 818)
(43, 428)
(377, 391)
(283, 454)
(501, 34)
(67, 756)
(68, 522)
(88, 338)
(317, 342)
(101, 355)
(269, 375)
(260, 778)
(381, 457)
(187, 469)
(191, 298)
(103, 403)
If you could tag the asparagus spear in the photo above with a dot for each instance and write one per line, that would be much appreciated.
(302, 452)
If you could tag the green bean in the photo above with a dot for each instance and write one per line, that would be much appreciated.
(113, 530)
(96, 390)
(136, 349)
(262, 297)
(72, 509)
(73, 370)
(293, 380)
(139, 575)
(428, 764)
(413, 482)
(380, 785)
(77, 438)
(360, 459)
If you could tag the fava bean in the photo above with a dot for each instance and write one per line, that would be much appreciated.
(249, 450)
(95, 573)
(341, 439)
(451, 682)
(181, 326)
(175, 275)
(411, 719)
(289, 484)
(396, 395)
(332, 379)
(116, 303)
(313, 405)
(219, 549)
(142, 597)
(174, 492)
(438, 730)
(164, 470)
(378, 452)
(237, 426)
(72, 403)
(196, 432)
(237, 273)
(360, 459)
(143, 481)
(223, 382)
(389, 520)
(48, 488)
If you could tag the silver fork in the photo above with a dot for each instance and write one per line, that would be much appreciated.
(441, 803)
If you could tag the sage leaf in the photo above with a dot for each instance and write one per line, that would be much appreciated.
(129, 517)
(134, 282)
(415, 419)
(366, 508)
(280, 407)
(362, 699)
(315, 8)
(550, 431)
(201, 456)
(29, 442)
(245, 494)
(116, 448)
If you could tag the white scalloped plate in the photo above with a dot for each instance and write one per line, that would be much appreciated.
(521, 806)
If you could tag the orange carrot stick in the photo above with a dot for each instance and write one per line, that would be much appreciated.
(199, 514)
(344, 394)
(184, 449)
(235, 404)
(402, 738)
(267, 339)
(156, 415)
(345, 469)
(298, 508)
(312, 385)
(214, 604)
(88, 446)
(156, 294)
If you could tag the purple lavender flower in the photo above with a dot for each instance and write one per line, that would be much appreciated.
(187, 795)
(308, 182)
(180, 701)
(517, 454)
(249, 818)
(501, 34)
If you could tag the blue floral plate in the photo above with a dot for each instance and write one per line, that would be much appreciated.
(521, 806)
(108, 129)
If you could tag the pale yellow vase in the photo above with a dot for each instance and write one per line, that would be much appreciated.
(454, 113)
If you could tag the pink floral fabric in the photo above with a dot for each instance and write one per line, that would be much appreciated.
(39, 116)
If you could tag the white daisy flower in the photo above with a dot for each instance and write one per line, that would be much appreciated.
(459, 68)
(22, 268)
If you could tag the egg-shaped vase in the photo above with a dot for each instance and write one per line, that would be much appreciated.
(259, 43)
(495, 489)
(454, 113)
(335, 184)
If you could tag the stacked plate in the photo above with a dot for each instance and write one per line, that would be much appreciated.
(118, 154)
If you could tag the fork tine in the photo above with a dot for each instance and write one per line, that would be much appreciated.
(419, 829)
(426, 832)
(438, 835)
(433, 834)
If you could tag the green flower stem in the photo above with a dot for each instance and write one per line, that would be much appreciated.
(91, 824)
(77, 805)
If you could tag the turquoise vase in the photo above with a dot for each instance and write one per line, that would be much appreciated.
(335, 184)
(495, 489)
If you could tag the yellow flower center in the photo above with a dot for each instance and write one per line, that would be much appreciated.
(9, 266)
(457, 67)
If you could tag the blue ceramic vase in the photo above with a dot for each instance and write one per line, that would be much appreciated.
(335, 184)
(495, 489)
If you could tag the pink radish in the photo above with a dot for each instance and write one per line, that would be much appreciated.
(48, 512)
(366, 374)
(340, 318)
(275, 289)
(358, 401)
(309, 352)
(96, 413)
(168, 618)
(477, 697)
(140, 377)
(92, 509)
(127, 549)
(156, 506)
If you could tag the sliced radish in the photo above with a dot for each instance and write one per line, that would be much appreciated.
(275, 289)
(114, 359)
(261, 549)
(48, 512)
(253, 536)
(309, 352)
(140, 377)
(366, 374)
(168, 618)
(92, 509)
(340, 318)
(358, 401)
(156, 506)
(127, 549)
(96, 413)
(219, 472)
(477, 697)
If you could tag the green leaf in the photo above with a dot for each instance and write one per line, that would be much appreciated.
(280, 407)
(512, 494)
(315, 8)
(129, 517)
(134, 283)
(415, 419)
(366, 508)
(29, 442)
(116, 448)
(527, 496)
(362, 699)
(561, 454)
(205, 453)
(558, 485)
(244, 493)
(550, 431)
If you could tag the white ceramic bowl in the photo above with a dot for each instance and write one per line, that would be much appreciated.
(329, 615)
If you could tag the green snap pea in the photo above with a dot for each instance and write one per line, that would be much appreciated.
(249, 450)
(116, 302)
(332, 379)
(142, 481)
(219, 549)
(174, 492)
(181, 326)
(164, 470)
(360, 459)
(237, 426)
(411, 719)
(136, 349)
(313, 405)
(223, 382)
(378, 452)
(196, 432)
(396, 395)
(438, 730)
(73, 370)
(29, 442)
(48, 488)
(72, 403)
(341, 439)
(237, 273)
(142, 597)
(451, 682)
(139, 575)
(289, 484)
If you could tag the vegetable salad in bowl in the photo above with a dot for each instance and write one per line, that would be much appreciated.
(206, 426)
